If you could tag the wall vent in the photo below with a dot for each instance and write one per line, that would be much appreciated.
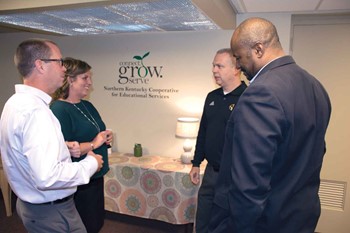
(332, 194)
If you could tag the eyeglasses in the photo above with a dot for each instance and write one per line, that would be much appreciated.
(49, 60)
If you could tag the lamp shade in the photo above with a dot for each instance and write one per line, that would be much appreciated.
(187, 127)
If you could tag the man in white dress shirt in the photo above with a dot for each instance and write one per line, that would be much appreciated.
(35, 156)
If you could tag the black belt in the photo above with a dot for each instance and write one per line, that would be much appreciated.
(57, 201)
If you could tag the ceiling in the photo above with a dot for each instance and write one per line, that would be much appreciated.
(81, 17)
(292, 6)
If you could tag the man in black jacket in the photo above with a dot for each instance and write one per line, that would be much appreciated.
(275, 141)
(217, 109)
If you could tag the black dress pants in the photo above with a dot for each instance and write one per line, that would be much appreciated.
(89, 201)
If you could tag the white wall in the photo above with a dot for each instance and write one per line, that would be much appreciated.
(329, 65)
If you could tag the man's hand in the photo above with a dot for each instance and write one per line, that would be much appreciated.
(74, 149)
(98, 159)
(194, 175)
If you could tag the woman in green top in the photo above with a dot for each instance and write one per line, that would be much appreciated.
(81, 122)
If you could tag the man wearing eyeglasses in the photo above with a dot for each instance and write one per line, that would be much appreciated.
(60, 61)
(35, 156)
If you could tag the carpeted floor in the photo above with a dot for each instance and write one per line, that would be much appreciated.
(114, 223)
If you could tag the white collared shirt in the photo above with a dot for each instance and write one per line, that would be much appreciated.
(34, 154)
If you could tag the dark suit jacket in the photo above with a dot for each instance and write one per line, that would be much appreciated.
(273, 152)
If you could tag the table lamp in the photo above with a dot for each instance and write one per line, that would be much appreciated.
(187, 128)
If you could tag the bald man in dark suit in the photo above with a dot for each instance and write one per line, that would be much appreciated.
(275, 141)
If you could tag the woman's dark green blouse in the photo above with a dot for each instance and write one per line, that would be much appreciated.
(76, 127)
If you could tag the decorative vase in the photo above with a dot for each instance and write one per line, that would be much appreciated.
(137, 150)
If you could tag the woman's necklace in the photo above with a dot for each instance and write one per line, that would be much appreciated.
(93, 121)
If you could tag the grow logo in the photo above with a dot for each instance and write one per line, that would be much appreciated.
(136, 72)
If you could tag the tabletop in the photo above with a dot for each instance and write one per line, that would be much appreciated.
(151, 186)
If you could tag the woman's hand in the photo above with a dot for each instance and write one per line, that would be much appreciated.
(102, 137)
(109, 136)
